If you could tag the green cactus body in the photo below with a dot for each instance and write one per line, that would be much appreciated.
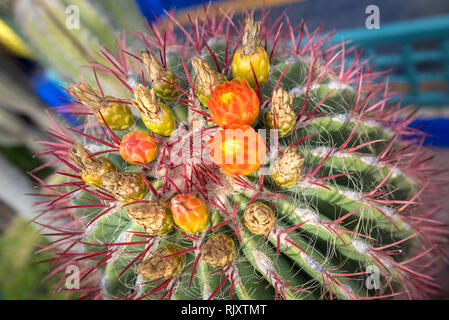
(339, 192)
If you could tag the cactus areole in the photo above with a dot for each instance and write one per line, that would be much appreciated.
(242, 162)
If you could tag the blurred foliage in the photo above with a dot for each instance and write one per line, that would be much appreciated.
(12, 41)
(20, 274)
(66, 35)
(21, 157)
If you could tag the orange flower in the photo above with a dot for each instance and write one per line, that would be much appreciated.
(138, 147)
(189, 213)
(237, 150)
(233, 102)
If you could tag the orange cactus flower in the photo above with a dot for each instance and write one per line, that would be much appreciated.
(189, 213)
(234, 102)
(237, 150)
(138, 147)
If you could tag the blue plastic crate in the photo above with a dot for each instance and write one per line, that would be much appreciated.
(48, 87)
(151, 8)
(403, 47)
(416, 51)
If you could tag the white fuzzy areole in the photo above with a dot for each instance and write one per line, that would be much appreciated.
(174, 284)
(361, 246)
(103, 285)
(388, 211)
(207, 291)
(277, 233)
(124, 237)
(233, 274)
(138, 287)
(342, 117)
(90, 228)
(263, 262)
(372, 161)
(349, 289)
(154, 243)
(338, 85)
(312, 262)
(298, 91)
(306, 184)
(353, 195)
(308, 215)
(324, 151)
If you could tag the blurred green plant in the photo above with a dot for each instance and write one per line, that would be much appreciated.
(23, 159)
(66, 35)
(20, 274)
(23, 118)
(22, 113)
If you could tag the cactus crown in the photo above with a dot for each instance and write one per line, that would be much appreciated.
(338, 192)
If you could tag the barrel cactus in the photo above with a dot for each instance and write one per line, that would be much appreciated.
(263, 162)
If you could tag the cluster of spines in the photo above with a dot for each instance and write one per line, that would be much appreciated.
(352, 159)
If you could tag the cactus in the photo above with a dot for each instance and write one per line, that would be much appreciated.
(221, 209)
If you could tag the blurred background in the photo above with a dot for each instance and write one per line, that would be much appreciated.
(40, 53)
